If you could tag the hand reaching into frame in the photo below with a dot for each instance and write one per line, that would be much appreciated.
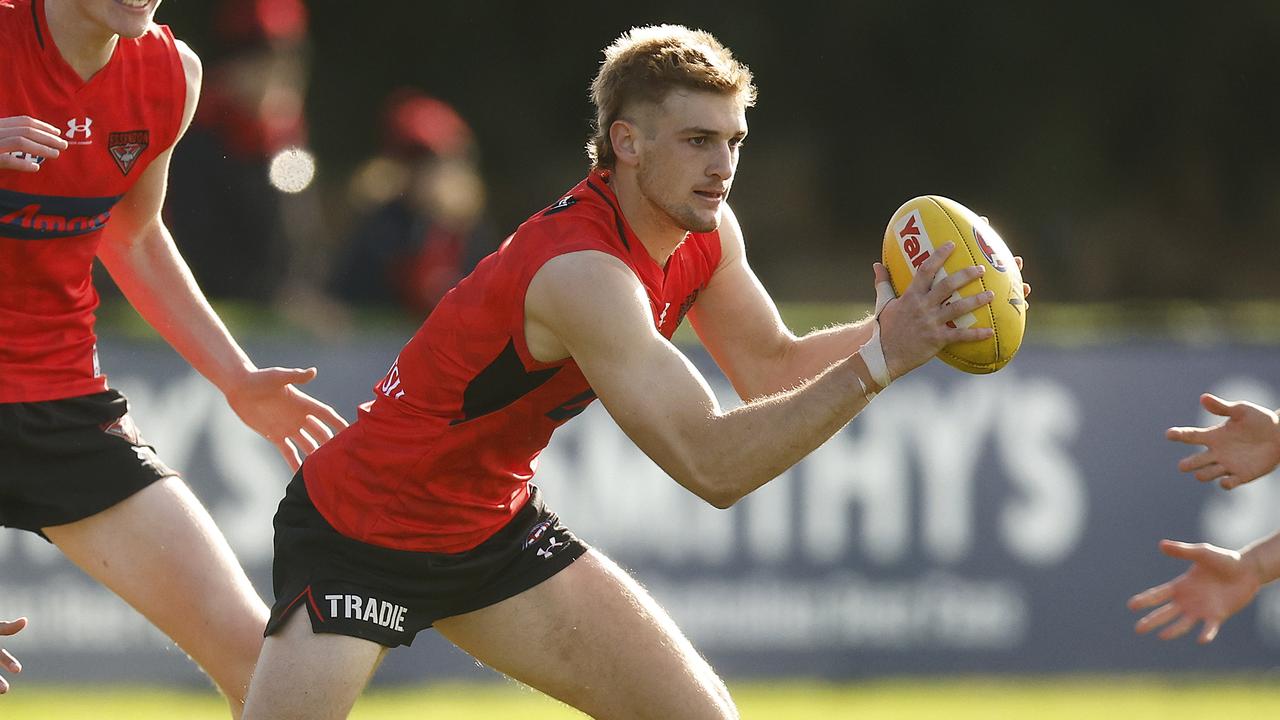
(7, 661)
(1217, 585)
(24, 139)
(1241, 449)
(296, 423)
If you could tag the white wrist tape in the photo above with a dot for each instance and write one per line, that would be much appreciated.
(865, 392)
(873, 355)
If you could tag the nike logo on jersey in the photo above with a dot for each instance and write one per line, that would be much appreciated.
(47, 217)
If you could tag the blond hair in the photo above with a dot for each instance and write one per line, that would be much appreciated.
(646, 63)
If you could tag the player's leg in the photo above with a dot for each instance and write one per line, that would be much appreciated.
(593, 638)
(159, 550)
(308, 675)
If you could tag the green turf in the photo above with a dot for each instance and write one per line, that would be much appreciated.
(1157, 698)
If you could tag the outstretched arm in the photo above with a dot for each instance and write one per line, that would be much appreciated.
(1238, 450)
(7, 661)
(1217, 585)
(741, 328)
(140, 254)
(590, 306)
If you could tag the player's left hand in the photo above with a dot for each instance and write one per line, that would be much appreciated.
(296, 423)
(1217, 585)
(7, 661)
(1242, 448)
(1017, 260)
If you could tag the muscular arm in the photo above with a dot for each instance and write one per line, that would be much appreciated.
(658, 398)
(141, 256)
(741, 328)
(590, 306)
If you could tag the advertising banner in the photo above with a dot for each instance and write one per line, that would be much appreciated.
(961, 524)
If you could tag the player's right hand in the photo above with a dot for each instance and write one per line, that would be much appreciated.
(1242, 448)
(23, 138)
(296, 423)
(7, 661)
(913, 327)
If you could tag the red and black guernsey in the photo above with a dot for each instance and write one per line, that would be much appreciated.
(51, 221)
(442, 457)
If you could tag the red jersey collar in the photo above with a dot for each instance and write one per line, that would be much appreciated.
(599, 180)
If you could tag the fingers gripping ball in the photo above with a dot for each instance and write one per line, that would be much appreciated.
(928, 222)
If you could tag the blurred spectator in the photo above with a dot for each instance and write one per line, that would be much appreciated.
(237, 198)
(423, 226)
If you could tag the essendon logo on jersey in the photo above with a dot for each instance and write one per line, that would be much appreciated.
(47, 217)
(125, 147)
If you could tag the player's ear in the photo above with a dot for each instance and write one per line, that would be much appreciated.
(625, 136)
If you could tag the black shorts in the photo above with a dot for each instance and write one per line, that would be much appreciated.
(64, 460)
(388, 596)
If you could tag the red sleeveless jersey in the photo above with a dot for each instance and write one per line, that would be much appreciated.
(442, 457)
(51, 221)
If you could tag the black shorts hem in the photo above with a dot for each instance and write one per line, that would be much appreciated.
(561, 562)
(304, 601)
(88, 510)
(388, 595)
(66, 460)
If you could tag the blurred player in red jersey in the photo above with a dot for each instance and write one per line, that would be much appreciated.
(1220, 582)
(422, 513)
(99, 96)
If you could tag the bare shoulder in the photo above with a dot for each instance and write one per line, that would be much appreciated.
(191, 64)
(193, 70)
(732, 246)
(580, 282)
(580, 301)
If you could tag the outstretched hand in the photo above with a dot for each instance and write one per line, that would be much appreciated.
(22, 139)
(914, 326)
(1216, 586)
(296, 423)
(7, 661)
(1243, 448)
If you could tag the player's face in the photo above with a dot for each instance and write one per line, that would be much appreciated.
(689, 155)
(126, 18)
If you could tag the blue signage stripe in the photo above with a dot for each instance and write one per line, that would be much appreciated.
(47, 217)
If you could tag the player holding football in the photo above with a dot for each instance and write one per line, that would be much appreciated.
(95, 99)
(421, 513)
(1220, 582)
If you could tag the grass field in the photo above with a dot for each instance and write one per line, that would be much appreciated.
(955, 699)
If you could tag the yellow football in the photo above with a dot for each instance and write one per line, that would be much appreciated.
(925, 223)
